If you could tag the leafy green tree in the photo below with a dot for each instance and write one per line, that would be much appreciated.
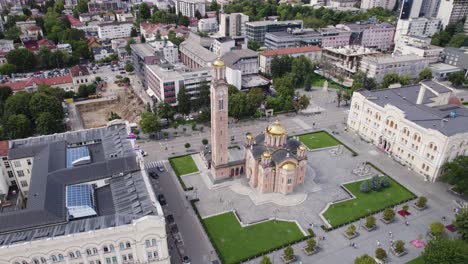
(347, 96)
(436, 228)
(284, 85)
(339, 96)
(380, 253)
(265, 259)
(46, 123)
(454, 172)
(364, 259)
(128, 49)
(311, 243)
(301, 67)
(13, 33)
(165, 110)
(458, 40)
(405, 79)
(23, 59)
(203, 96)
(425, 74)
(7, 69)
(129, 67)
(389, 79)
(55, 92)
(82, 6)
(307, 83)
(280, 65)
(18, 104)
(27, 12)
(183, 100)
(461, 223)
(171, 35)
(370, 221)
(133, 32)
(144, 11)
(17, 126)
(44, 57)
(457, 79)
(289, 253)
(45, 103)
(237, 105)
(445, 251)
(253, 45)
(253, 101)
(351, 230)
(5, 92)
(149, 123)
(388, 214)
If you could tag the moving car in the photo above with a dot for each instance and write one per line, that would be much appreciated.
(153, 175)
(162, 199)
(186, 260)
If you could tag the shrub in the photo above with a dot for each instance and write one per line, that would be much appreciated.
(187, 145)
(399, 246)
(380, 253)
(265, 260)
(422, 201)
(364, 188)
(204, 141)
(370, 221)
(194, 127)
(436, 228)
(289, 253)
(364, 259)
(384, 182)
(165, 134)
(311, 243)
(375, 183)
(311, 232)
(405, 207)
(388, 214)
(351, 230)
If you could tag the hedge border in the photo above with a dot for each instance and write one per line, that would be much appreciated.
(354, 153)
(254, 256)
(179, 178)
(328, 229)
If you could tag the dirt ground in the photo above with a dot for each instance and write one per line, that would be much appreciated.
(95, 113)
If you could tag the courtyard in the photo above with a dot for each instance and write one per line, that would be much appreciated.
(236, 243)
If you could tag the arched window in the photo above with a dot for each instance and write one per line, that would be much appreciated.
(78, 254)
(106, 249)
(88, 252)
(128, 245)
(43, 260)
(35, 261)
(121, 246)
(111, 248)
(54, 258)
(95, 251)
(71, 254)
(60, 257)
(419, 139)
(148, 243)
(435, 148)
(153, 242)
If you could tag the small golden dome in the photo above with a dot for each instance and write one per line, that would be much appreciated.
(218, 62)
(249, 136)
(276, 129)
(302, 148)
(289, 166)
(266, 154)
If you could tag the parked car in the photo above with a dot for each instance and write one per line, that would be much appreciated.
(160, 168)
(162, 199)
(123, 72)
(144, 153)
(186, 260)
(153, 175)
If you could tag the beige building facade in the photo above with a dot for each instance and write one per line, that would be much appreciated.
(417, 125)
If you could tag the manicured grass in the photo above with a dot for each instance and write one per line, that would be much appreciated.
(365, 203)
(317, 81)
(418, 260)
(183, 165)
(318, 140)
(235, 243)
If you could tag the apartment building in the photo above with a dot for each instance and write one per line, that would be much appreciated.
(114, 30)
(452, 11)
(385, 4)
(189, 8)
(412, 45)
(324, 37)
(414, 124)
(313, 53)
(256, 30)
(6, 45)
(376, 36)
(194, 55)
(378, 66)
(343, 3)
(7, 177)
(165, 80)
(208, 25)
(105, 5)
(90, 202)
(420, 27)
(456, 57)
(232, 25)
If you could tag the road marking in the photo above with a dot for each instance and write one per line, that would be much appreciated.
(155, 164)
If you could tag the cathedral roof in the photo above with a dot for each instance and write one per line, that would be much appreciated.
(276, 129)
(289, 166)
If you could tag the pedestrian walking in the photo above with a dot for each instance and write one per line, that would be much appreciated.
(390, 233)
(378, 243)
(406, 223)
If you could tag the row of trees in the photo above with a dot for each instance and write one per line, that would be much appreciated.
(24, 114)
(452, 36)
(150, 122)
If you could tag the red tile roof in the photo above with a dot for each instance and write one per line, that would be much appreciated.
(291, 50)
(30, 82)
(4, 148)
(74, 22)
(79, 70)
(34, 45)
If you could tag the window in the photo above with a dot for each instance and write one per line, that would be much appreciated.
(71, 254)
(121, 246)
(153, 242)
(10, 174)
(130, 256)
(35, 261)
(95, 251)
(221, 105)
(108, 260)
(60, 257)
(43, 260)
(20, 173)
(155, 254)
(24, 184)
(78, 254)
(150, 254)
(289, 180)
(88, 252)
(54, 258)
(17, 163)
(111, 248)
(128, 245)
(148, 243)
(114, 259)
(28, 161)
(124, 257)
(7, 164)
(106, 249)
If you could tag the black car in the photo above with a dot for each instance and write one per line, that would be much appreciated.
(162, 199)
(186, 260)
(153, 175)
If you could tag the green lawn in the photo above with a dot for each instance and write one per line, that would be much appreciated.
(318, 140)
(418, 260)
(317, 81)
(235, 243)
(365, 203)
(183, 165)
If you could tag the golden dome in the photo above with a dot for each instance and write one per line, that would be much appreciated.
(218, 62)
(266, 154)
(276, 129)
(249, 136)
(302, 148)
(289, 166)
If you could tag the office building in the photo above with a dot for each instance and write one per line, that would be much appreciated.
(194, 55)
(189, 8)
(414, 124)
(114, 30)
(456, 57)
(256, 30)
(208, 25)
(452, 11)
(410, 9)
(385, 4)
(326, 37)
(313, 53)
(420, 27)
(89, 201)
(369, 35)
(105, 5)
(411, 45)
(232, 25)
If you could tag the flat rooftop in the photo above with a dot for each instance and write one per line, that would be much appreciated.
(269, 23)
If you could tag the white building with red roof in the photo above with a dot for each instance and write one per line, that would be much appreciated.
(30, 84)
(313, 53)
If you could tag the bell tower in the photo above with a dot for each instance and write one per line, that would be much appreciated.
(219, 120)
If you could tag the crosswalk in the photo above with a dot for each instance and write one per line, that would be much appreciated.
(155, 164)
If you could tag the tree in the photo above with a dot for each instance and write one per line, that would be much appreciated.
(46, 123)
(5, 92)
(149, 123)
(311, 243)
(280, 65)
(44, 103)
(144, 11)
(405, 79)
(133, 32)
(457, 79)
(13, 33)
(307, 83)
(82, 6)
(183, 100)
(375, 183)
(205, 141)
(454, 172)
(458, 40)
(265, 259)
(165, 110)
(436, 228)
(17, 126)
(23, 59)
(399, 246)
(443, 250)
(237, 105)
(253, 45)
(380, 253)
(44, 57)
(284, 85)
(364, 187)
(339, 96)
(18, 104)
(370, 221)
(347, 96)
(198, 15)
(351, 230)
(421, 203)
(388, 214)
(288, 253)
(129, 67)
(128, 49)
(301, 67)
(425, 74)
(461, 223)
(183, 20)
(389, 79)
(364, 259)
(384, 182)
(254, 100)
(187, 145)
(27, 12)
(7, 69)
(203, 96)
